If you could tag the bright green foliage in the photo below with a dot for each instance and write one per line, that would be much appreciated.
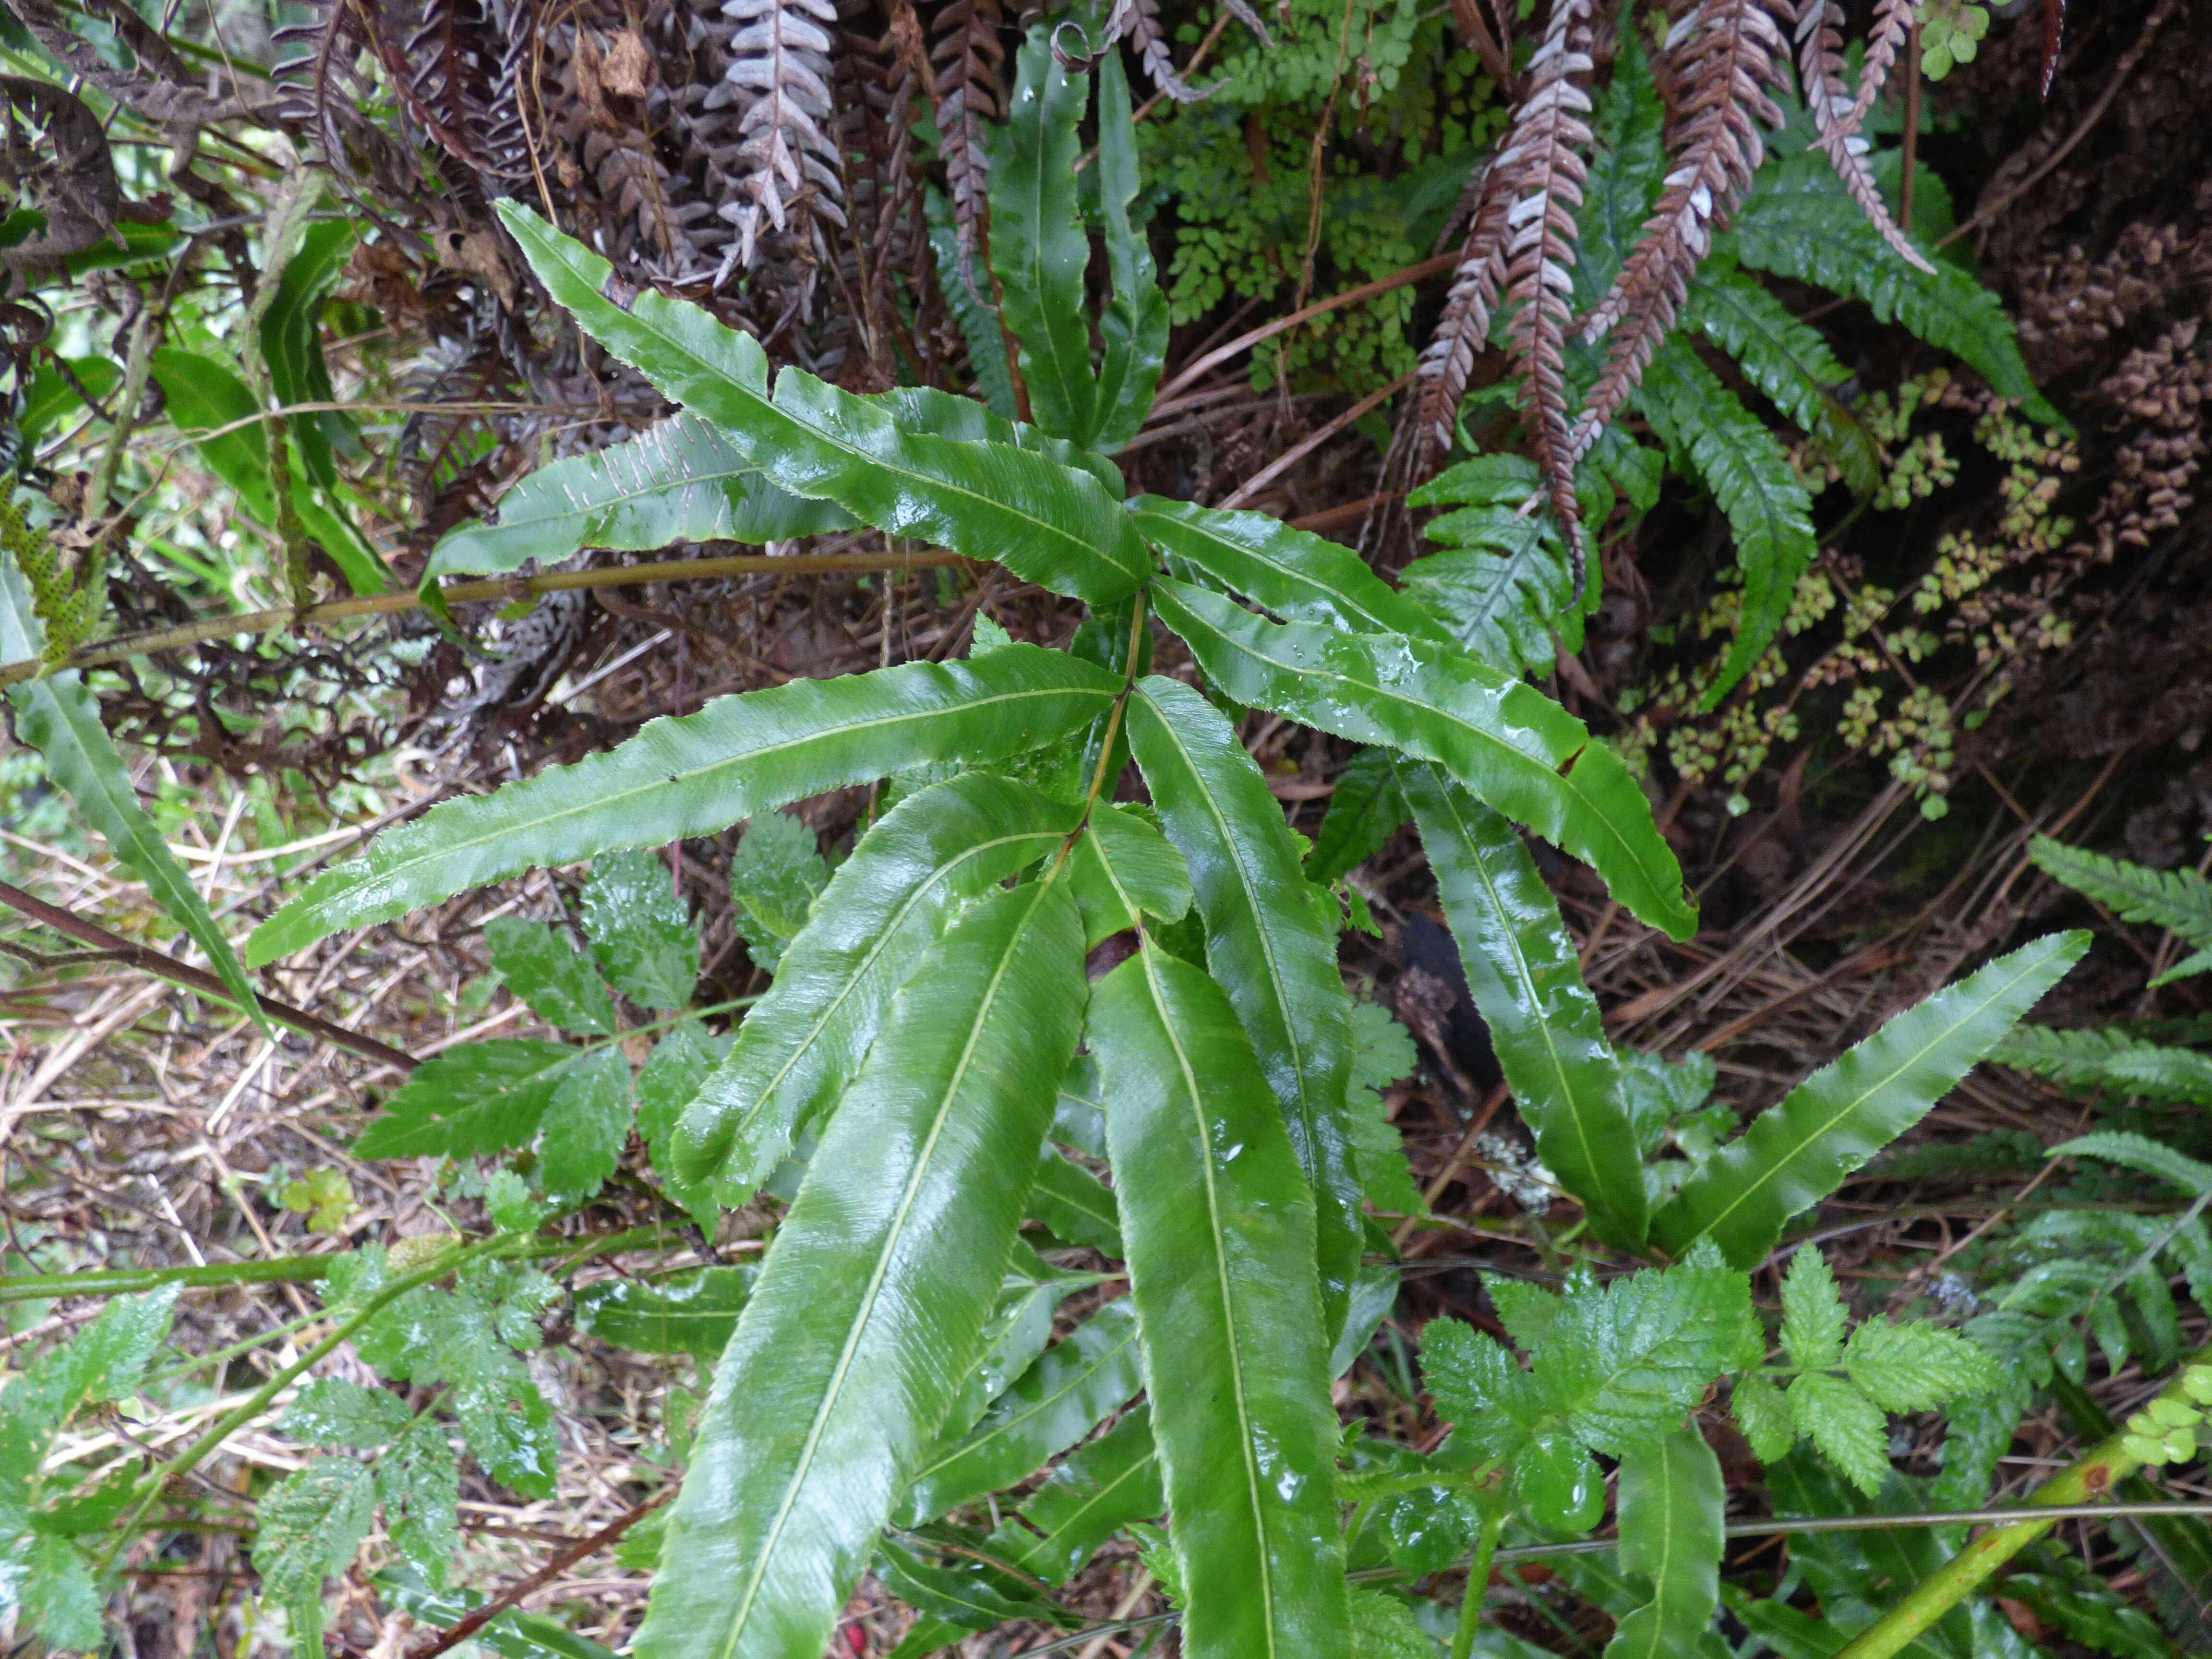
(1294, 573)
(640, 930)
(1796, 1153)
(561, 986)
(2107, 1057)
(775, 877)
(1839, 1389)
(2177, 900)
(1122, 869)
(1526, 977)
(469, 1338)
(1267, 945)
(43, 1571)
(1135, 323)
(1046, 523)
(1671, 1503)
(308, 1527)
(1112, 1480)
(873, 1262)
(1364, 812)
(1061, 1398)
(1075, 1204)
(1744, 464)
(1514, 749)
(1220, 1255)
(324, 1196)
(698, 774)
(474, 1098)
(1038, 248)
(1610, 1368)
(1384, 1627)
(1503, 586)
(59, 718)
(1797, 221)
(587, 1120)
(882, 909)
(1383, 1053)
(679, 481)
(693, 1313)
(1789, 362)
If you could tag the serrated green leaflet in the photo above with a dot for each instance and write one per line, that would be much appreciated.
(58, 717)
(475, 1098)
(1796, 1153)
(1526, 976)
(882, 909)
(1745, 467)
(1502, 586)
(558, 983)
(1513, 748)
(1293, 573)
(1218, 1223)
(1046, 523)
(846, 1359)
(1364, 812)
(1099, 1489)
(1038, 247)
(676, 482)
(1055, 1403)
(641, 929)
(1273, 955)
(309, 1527)
(703, 772)
(586, 1122)
(1671, 1506)
(691, 1313)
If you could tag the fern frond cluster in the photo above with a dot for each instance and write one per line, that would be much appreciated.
(1729, 67)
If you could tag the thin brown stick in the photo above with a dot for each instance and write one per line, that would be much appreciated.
(1297, 451)
(124, 647)
(1219, 354)
(153, 962)
(545, 1574)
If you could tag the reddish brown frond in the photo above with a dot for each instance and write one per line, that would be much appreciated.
(1138, 21)
(967, 54)
(1893, 24)
(1465, 324)
(1836, 117)
(1541, 172)
(1726, 59)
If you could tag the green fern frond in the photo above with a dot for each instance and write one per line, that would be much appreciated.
(2180, 900)
(2102, 1057)
(1799, 221)
(1502, 585)
(1708, 429)
(1791, 363)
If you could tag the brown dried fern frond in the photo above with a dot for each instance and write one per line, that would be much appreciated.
(1541, 171)
(1139, 22)
(1837, 116)
(967, 53)
(1893, 24)
(781, 56)
(1726, 59)
(1464, 325)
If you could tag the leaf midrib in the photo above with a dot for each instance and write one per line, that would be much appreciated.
(1301, 578)
(833, 1392)
(1307, 1111)
(1776, 1166)
(1565, 780)
(606, 803)
(875, 952)
(1530, 999)
(653, 304)
(1215, 1230)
